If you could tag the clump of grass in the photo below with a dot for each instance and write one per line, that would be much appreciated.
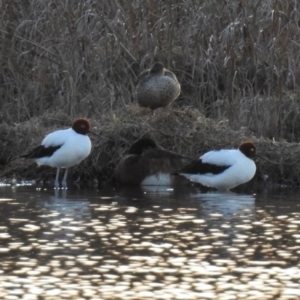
(84, 58)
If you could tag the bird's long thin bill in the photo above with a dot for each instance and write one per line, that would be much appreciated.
(269, 161)
(99, 135)
(90, 131)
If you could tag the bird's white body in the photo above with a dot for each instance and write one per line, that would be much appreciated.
(64, 148)
(241, 169)
(158, 179)
(74, 148)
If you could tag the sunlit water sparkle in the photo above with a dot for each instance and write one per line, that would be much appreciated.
(148, 244)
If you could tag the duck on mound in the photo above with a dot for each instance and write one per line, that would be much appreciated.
(157, 87)
(146, 163)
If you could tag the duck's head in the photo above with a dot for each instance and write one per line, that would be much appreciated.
(142, 144)
(157, 69)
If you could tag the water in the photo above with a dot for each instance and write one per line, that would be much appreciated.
(148, 244)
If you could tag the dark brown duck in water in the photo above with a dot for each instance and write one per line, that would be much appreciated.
(157, 87)
(146, 163)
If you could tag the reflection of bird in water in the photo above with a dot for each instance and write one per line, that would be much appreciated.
(14, 180)
(63, 148)
(223, 169)
(227, 204)
(146, 163)
(157, 87)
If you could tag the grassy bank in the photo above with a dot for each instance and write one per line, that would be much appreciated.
(186, 131)
(237, 62)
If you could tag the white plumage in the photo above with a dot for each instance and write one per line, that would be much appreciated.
(64, 148)
(161, 179)
(74, 148)
(223, 169)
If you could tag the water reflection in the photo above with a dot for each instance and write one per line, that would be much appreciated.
(148, 244)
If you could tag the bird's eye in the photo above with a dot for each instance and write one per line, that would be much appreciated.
(82, 126)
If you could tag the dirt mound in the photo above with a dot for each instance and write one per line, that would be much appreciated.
(184, 131)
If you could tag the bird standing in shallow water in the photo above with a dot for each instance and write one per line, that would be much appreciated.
(64, 148)
(146, 163)
(157, 87)
(223, 169)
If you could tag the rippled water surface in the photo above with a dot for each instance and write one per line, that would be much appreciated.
(148, 244)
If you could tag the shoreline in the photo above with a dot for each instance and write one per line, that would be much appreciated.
(185, 131)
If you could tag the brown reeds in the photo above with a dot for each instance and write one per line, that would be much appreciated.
(237, 62)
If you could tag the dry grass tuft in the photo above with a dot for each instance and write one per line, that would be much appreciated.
(237, 62)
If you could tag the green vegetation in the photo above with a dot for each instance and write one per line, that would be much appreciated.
(237, 62)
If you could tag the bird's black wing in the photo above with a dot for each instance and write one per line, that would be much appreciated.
(41, 151)
(199, 167)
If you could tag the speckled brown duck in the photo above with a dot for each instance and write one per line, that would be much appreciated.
(157, 87)
(147, 163)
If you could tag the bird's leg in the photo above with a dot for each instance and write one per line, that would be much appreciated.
(152, 112)
(64, 182)
(56, 183)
